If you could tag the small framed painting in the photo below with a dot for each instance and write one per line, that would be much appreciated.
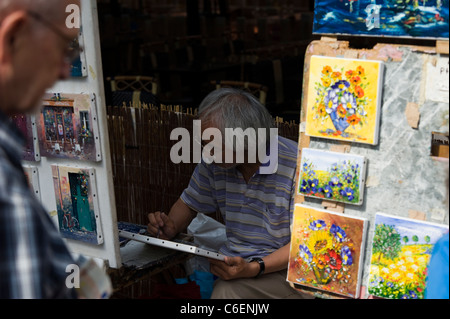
(332, 176)
(77, 204)
(344, 99)
(327, 251)
(401, 251)
(68, 127)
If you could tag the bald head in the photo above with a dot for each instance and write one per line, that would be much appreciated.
(56, 9)
(35, 48)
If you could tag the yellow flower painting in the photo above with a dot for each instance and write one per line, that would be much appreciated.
(401, 251)
(344, 99)
(326, 251)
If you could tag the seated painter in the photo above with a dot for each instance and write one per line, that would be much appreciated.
(254, 194)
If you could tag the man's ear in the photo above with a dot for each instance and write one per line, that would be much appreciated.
(10, 29)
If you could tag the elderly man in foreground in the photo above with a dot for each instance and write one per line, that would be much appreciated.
(35, 51)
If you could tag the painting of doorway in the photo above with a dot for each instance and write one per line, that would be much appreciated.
(76, 201)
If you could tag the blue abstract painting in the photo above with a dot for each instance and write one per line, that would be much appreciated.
(428, 19)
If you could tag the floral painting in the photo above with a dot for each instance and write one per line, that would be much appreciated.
(68, 127)
(332, 176)
(327, 251)
(76, 202)
(344, 99)
(401, 251)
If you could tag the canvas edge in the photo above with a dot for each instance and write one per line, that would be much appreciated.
(34, 176)
(380, 98)
(363, 179)
(97, 215)
(331, 212)
(95, 127)
(360, 35)
(411, 220)
(362, 259)
(34, 129)
(83, 59)
(35, 181)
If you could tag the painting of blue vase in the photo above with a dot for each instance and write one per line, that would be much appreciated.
(344, 99)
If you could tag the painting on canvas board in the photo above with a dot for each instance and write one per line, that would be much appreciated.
(25, 123)
(344, 99)
(401, 251)
(327, 251)
(68, 127)
(76, 202)
(332, 176)
(426, 19)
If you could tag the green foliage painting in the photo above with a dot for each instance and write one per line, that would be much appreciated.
(401, 250)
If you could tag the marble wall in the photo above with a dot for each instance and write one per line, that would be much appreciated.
(402, 177)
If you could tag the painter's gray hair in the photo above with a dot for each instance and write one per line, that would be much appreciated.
(234, 108)
(230, 108)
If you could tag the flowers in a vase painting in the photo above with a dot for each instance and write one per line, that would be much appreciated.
(344, 99)
(326, 251)
(332, 176)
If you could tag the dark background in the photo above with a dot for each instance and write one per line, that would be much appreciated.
(186, 44)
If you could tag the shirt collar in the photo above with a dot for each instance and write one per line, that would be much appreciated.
(11, 138)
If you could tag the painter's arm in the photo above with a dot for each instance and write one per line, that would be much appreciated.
(178, 219)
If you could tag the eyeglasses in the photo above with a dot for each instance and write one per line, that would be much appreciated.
(73, 49)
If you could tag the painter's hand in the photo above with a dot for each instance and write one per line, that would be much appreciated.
(161, 224)
(233, 268)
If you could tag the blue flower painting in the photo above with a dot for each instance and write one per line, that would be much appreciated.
(332, 176)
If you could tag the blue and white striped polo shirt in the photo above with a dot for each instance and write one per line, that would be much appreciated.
(257, 215)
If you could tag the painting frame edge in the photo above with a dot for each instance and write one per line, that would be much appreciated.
(33, 179)
(95, 127)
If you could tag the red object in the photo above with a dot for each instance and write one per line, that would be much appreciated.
(334, 260)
